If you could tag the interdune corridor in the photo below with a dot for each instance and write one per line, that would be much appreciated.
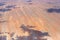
(25, 18)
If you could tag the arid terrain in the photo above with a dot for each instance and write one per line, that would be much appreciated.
(14, 15)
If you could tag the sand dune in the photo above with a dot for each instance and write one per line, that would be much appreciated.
(29, 13)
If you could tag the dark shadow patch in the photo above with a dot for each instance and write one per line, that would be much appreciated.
(50, 10)
(12, 34)
(29, 2)
(10, 6)
(3, 38)
(4, 10)
(2, 4)
(57, 10)
(25, 28)
(13, 39)
(34, 34)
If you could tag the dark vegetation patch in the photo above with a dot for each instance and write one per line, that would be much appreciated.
(4, 10)
(10, 6)
(51, 10)
(57, 10)
(3, 38)
(2, 4)
(7, 8)
(29, 0)
(34, 34)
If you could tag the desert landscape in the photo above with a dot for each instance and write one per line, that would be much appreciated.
(29, 20)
